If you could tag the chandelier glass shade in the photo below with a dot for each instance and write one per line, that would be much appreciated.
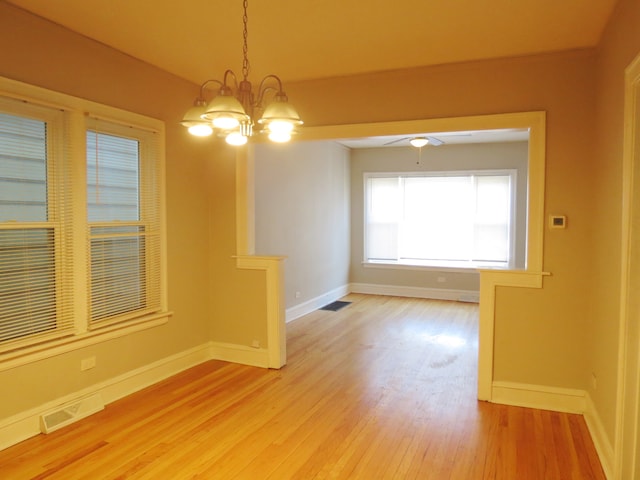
(236, 113)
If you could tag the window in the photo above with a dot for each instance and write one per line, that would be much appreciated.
(123, 223)
(35, 281)
(80, 223)
(459, 219)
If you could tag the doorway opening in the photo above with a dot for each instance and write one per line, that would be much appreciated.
(528, 274)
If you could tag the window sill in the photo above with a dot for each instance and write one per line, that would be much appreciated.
(23, 356)
(444, 266)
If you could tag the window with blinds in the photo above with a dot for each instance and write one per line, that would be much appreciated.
(35, 260)
(81, 213)
(123, 216)
(452, 219)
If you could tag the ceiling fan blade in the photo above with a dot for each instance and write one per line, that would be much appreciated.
(434, 141)
(397, 140)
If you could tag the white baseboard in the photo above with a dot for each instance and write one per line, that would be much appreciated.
(230, 352)
(309, 306)
(417, 292)
(560, 400)
(27, 424)
(538, 396)
(601, 440)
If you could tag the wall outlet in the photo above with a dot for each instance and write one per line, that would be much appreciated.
(297, 294)
(87, 363)
(557, 221)
(255, 344)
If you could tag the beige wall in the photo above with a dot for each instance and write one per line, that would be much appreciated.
(302, 212)
(237, 297)
(200, 182)
(619, 46)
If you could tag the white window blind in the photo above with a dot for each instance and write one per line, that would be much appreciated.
(124, 223)
(462, 217)
(81, 223)
(35, 212)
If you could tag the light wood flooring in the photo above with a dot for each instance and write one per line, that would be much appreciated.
(382, 389)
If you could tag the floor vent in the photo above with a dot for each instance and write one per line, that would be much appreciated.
(335, 306)
(70, 412)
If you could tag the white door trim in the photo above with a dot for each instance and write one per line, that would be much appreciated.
(628, 393)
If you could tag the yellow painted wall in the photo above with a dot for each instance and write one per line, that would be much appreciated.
(619, 46)
(224, 305)
(238, 297)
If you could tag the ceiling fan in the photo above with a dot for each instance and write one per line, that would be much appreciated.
(420, 141)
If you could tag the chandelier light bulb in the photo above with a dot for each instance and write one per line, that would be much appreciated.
(225, 122)
(201, 130)
(236, 139)
(280, 137)
(280, 126)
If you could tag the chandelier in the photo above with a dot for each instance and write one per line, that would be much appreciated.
(235, 110)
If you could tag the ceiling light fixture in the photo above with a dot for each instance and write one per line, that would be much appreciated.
(418, 142)
(235, 110)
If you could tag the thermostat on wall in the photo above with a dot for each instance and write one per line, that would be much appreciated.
(557, 221)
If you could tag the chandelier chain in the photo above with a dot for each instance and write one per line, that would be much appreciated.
(245, 48)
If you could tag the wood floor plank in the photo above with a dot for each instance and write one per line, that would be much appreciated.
(383, 389)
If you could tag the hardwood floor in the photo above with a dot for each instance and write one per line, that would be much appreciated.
(382, 389)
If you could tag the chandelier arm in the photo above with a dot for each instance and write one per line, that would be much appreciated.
(263, 88)
(204, 85)
(228, 73)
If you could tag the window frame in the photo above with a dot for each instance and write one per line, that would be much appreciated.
(76, 113)
(56, 165)
(147, 218)
(438, 265)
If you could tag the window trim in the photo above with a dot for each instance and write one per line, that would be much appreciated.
(452, 266)
(77, 112)
(148, 217)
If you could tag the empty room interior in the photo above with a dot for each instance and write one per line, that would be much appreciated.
(427, 268)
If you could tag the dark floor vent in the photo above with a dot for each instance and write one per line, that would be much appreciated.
(335, 306)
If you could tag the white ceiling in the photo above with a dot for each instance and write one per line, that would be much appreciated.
(307, 39)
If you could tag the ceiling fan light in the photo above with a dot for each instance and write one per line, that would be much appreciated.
(418, 142)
